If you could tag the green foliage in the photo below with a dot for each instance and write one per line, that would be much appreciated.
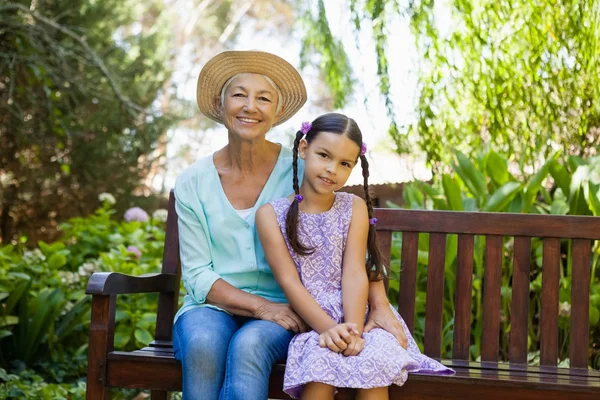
(484, 183)
(44, 312)
(80, 88)
(334, 62)
(519, 76)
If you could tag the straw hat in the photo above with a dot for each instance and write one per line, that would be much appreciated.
(229, 63)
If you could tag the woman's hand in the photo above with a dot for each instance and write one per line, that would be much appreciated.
(339, 336)
(383, 317)
(282, 314)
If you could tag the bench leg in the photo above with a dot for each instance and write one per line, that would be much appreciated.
(100, 343)
(159, 395)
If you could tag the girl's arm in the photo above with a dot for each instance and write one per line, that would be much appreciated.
(355, 282)
(285, 272)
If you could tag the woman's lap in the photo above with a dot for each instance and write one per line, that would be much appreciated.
(229, 354)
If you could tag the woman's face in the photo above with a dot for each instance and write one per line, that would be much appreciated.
(249, 107)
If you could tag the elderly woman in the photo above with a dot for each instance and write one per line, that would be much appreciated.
(235, 322)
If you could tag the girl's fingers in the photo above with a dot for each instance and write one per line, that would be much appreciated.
(322, 341)
(331, 345)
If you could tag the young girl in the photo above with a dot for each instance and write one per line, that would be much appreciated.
(316, 242)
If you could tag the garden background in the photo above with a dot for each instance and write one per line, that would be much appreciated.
(498, 102)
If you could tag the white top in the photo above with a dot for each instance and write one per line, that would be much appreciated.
(244, 214)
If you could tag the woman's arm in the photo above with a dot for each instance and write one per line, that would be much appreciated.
(355, 282)
(285, 272)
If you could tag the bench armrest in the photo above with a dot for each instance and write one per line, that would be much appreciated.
(111, 283)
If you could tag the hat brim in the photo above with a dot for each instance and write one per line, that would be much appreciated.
(224, 65)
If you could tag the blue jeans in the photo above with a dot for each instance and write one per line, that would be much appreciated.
(225, 356)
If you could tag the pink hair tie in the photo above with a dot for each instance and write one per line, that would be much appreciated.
(306, 127)
(363, 149)
(299, 197)
(373, 221)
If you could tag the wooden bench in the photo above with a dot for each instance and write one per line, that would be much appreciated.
(155, 368)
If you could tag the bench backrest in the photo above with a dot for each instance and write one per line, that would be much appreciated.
(495, 227)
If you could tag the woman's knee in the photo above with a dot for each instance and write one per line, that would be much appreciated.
(260, 341)
(202, 340)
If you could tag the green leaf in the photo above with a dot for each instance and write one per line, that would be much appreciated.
(57, 261)
(4, 333)
(452, 192)
(143, 336)
(497, 168)
(471, 176)
(502, 196)
(560, 175)
(122, 337)
(439, 202)
(8, 320)
(593, 198)
(594, 316)
(534, 185)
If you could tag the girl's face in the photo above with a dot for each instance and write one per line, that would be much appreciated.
(328, 161)
(249, 107)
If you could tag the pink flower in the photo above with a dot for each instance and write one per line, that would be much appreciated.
(135, 214)
(135, 251)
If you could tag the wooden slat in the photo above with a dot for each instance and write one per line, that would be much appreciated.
(167, 302)
(580, 303)
(480, 223)
(519, 309)
(549, 313)
(384, 242)
(491, 298)
(435, 295)
(462, 304)
(408, 278)
(101, 340)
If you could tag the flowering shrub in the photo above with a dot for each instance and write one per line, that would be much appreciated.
(44, 312)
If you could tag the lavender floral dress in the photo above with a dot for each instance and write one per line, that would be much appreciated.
(382, 361)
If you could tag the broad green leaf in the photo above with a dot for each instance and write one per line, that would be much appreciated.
(560, 175)
(497, 168)
(143, 336)
(122, 336)
(533, 186)
(501, 197)
(593, 198)
(439, 202)
(57, 261)
(8, 320)
(473, 178)
(559, 207)
(452, 192)
(16, 294)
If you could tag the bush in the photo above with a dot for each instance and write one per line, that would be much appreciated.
(44, 312)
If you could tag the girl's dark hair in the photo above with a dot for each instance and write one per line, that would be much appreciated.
(340, 124)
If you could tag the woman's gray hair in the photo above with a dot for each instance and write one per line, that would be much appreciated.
(269, 81)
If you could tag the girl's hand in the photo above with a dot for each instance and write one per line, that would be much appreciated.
(282, 314)
(355, 346)
(383, 317)
(339, 336)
